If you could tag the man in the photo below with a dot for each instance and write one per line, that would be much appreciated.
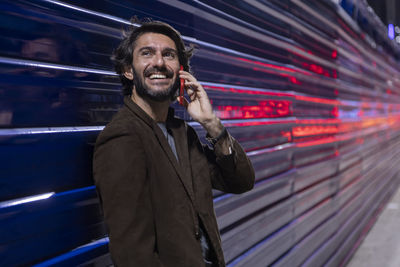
(153, 175)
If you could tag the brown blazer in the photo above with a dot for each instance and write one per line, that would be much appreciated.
(152, 202)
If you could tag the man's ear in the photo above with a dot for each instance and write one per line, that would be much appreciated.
(128, 74)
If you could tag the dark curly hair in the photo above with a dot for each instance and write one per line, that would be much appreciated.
(123, 55)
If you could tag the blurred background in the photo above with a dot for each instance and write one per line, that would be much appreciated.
(311, 89)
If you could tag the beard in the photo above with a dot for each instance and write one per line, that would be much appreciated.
(160, 96)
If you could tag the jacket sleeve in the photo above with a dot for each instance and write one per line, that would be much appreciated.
(119, 170)
(231, 173)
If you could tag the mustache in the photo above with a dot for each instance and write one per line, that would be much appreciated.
(162, 70)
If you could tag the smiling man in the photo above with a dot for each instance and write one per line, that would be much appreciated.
(153, 175)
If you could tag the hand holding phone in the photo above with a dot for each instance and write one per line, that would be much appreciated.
(181, 89)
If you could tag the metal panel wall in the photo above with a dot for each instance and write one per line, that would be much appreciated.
(310, 91)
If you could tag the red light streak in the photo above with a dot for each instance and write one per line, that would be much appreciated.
(318, 121)
(334, 74)
(309, 132)
(294, 80)
(265, 109)
(335, 112)
(276, 67)
(318, 142)
(318, 100)
(347, 29)
(334, 54)
(299, 131)
(313, 135)
(245, 91)
(256, 123)
(316, 68)
(287, 134)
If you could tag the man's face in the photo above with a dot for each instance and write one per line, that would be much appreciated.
(155, 67)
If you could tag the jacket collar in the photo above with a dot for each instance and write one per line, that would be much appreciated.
(132, 106)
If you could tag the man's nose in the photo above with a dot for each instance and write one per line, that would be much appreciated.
(159, 60)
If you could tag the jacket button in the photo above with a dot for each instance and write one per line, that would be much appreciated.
(197, 234)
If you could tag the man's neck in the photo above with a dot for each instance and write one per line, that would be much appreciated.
(158, 111)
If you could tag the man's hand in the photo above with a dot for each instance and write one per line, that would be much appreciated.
(199, 107)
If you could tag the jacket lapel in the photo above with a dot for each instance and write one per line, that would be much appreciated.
(181, 143)
(182, 167)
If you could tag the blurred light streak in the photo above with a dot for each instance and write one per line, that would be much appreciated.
(317, 142)
(265, 109)
(318, 100)
(251, 122)
(294, 80)
(37, 64)
(314, 130)
(318, 121)
(49, 130)
(287, 134)
(242, 90)
(19, 201)
(91, 12)
(61, 259)
(334, 54)
(391, 31)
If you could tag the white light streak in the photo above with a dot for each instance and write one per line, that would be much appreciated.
(31, 63)
(91, 12)
(96, 242)
(23, 131)
(19, 201)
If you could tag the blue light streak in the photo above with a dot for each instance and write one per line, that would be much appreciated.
(391, 31)
(74, 253)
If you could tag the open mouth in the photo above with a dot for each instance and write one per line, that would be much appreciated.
(157, 76)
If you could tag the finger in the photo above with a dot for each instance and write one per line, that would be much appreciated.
(185, 103)
(192, 93)
(193, 85)
(187, 76)
(197, 88)
(182, 72)
(192, 97)
(189, 87)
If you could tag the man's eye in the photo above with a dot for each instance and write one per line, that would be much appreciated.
(146, 53)
(169, 55)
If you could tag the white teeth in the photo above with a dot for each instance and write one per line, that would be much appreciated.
(157, 76)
